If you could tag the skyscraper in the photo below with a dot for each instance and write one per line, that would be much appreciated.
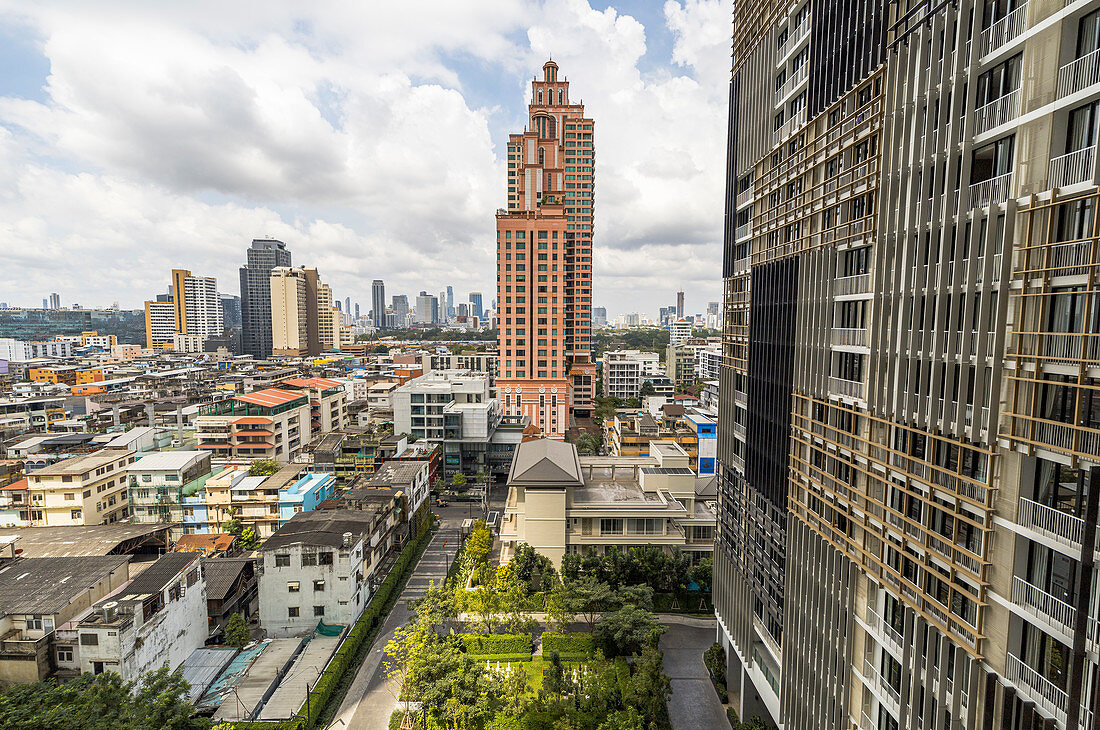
(357, 310)
(231, 310)
(303, 320)
(427, 308)
(909, 457)
(544, 262)
(378, 303)
(679, 305)
(263, 255)
(55, 301)
(347, 305)
(400, 309)
(475, 303)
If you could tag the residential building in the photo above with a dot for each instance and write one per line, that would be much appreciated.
(38, 596)
(158, 482)
(910, 498)
(401, 309)
(544, 262)
(347, 453)
(188, 344)
(14, 350)
(708, 361)
(264, 424)
(89, 489)
(198, 307)
(232, 587)
(305, 495)
(327, 399)
(156, 620)
(599, 316)
(66, 374)
(680, 364)
(378, 303)
(452, 408)
(679, 331)
(291, 303)
(322, 567)
(477, 309)
(477, 362)
(160, 325)
(412, 479)
(263, 256)
(256, 501)
(625, 371)
(630, 434)
(328, 317)
(560, 503)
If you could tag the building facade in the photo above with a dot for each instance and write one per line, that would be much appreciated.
(265, 424)
(378, 303)
(544, 262)
(623, 372)
(90, 489)
(262, 256)
(907, 445)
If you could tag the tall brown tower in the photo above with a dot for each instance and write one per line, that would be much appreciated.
(544, 262)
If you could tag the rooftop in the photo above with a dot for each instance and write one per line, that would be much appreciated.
(79, 540)
(397, 473)
(167, 461)
(83, 463)
(545, 461)
(158, 575)
(325, 528)
(599, 491)
(214, 542)
(270, 398)
(47, 585)
(221, 574)
(321, 383)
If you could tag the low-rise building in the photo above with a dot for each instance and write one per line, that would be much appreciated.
(90, 489)
(630, 434)
(708, 361)
(624, 371)
(156, 620)
(409, 477)
(328, 402)
(560, 503)
(232, 586)
(159, 482)
(321, 567)
(266, 424)
(66, 374)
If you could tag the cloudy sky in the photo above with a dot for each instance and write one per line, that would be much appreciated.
(140, 136)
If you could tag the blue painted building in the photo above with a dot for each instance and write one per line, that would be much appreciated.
(305, 494)
(706, 432)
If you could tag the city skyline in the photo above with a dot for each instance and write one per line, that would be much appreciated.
(331, 177)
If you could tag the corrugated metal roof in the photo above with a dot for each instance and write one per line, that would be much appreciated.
(203, 667)
(271, 397)
(167, 461)
(47, 585)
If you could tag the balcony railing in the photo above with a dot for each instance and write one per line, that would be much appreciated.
(992, 191)
(744, 197)
(1076, 167)
(876, 678)
(788, 127)
(997, 112)
(847, 388)
(1079, 74)
(1038, 687)
(858, 284)
(794, 38)
(1043, 605)
(797, 77)
(1003, 30)
(879, 624)
(849, 337)
(742, 231)
(1050, 521)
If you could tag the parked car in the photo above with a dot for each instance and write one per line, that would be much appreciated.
(440, 502)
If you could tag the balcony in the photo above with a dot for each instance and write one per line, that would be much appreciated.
(1079, 74)
(1051, 522)
(788, 127)
(880, 683)
(878, 623)
(744, 197)
(993, 191)
(742, 231)
(849, 337)
(847, 285)
(1003, 31)
(798, 76)
(1076, 167)
(846, 388)
(1043, 606)
(997, 112)
(795, 38)
(1040, 689)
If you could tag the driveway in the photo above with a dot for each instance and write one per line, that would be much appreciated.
(694, 703)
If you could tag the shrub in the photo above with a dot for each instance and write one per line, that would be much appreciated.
(506, 657)
(573, 643)
(512, 644)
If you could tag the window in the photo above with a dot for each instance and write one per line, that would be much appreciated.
(65, 654)
(75, 514)
(318, 610)
(89, 639)
(318, 585)
(610, 526)
(292, 612)
(282, 560)
(324, 558)
(293, 586)
(70, 496)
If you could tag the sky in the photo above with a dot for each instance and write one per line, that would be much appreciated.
(138, 137)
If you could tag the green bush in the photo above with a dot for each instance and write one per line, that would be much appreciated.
(395, 719)
(570, 643)
(507, 657)
(476, 644)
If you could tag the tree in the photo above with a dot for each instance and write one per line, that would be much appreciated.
(647, 389)
(459, 480)
(233, 526)
(756, 723)
(563, 604)
(588, 444)
(627, 719)
(248, 538)
(485, 601)
(401, 653)
(702, 573)
(533, 568)
(627, 631)
(263, 468)
(649, 688)
(236, 631)
(593, 597)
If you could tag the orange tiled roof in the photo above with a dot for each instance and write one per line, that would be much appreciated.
(322, 383)
(254, 420)
(270, 398)
(213, 542)
(21, 484)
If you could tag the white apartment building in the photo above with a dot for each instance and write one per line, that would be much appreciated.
(679, 331)
(203, 306)
(188, 344)
(90, 489)
(624, 372)
(320, 567)
(708, 361)
(14, 350)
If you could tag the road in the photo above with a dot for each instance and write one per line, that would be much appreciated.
(371, 699)
(694, 703)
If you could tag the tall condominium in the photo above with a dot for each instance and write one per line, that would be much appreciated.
(450, 302)
(303, 320)
(679, 305)
(198, 307)
(476, 307)
(401, 309)
(263, 256)
(378, 303)
(910, 432)
(544, 262)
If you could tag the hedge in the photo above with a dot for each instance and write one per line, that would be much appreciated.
(572, 643)
(479, 658)
(478, 644)
(344, 662)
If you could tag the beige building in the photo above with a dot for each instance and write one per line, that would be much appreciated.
(90, 489)
(560, 503)
(290, 304)
(328, 320)
(265, 424)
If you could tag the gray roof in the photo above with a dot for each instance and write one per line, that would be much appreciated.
(78, 540)
(324, 528)
(706, 486)
(203, 667)
(221, 574)
(545, 461)
(158, 575)
(397, 473)
(47, 585)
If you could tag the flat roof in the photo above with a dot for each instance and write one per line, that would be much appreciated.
(77, 540)
(47, 585)
(323, 383)
(602, 491)
(325, 528)
(83, 463)
(167, 461)
(397, 472)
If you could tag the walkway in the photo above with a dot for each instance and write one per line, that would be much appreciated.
(694, 703)
(371, 699)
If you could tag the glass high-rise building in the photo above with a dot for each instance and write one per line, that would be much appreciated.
(477, 309)
(909, 446)
(544, 262)
(263, 256)
(378, 303)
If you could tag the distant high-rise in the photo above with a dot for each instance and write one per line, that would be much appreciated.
(427, 308)
(302, 315)
(347, 305)
(545, 314)
(231, 310)
(55, 301)
(450, 302)
(378, 303)
(475, 303)
(45, 303)
(263, 255)
(400, 309)
(679, 305)
(599, 316)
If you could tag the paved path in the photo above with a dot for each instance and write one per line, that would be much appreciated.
(694, 703)
(288, 698)
(371, 699)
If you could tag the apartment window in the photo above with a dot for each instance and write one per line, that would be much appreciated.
(992, 160)
(318, 610)
(1001, 80)
(293, 586)
(292, 612)
(610, 526)
(318, 585)
(89, 639)
(65, 654)
(75, 514)
(282, 560)
(645, 526)
(70, 496)
(324, 558)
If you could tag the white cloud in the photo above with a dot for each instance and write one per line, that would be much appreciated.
(171, 134)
